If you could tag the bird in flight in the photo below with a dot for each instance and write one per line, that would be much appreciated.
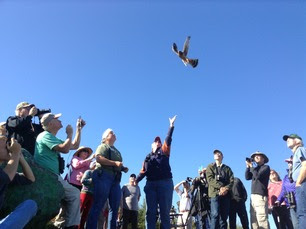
(183, 54)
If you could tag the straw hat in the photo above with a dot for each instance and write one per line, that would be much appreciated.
(83, 148)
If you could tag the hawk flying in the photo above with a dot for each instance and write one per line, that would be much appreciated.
(183, 54)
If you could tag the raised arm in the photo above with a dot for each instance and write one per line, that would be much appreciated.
(176, 187)
(12, 165)
(66, 145)
(77, 139)
(167, 143)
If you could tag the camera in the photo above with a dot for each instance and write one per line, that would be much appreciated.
(42, 111)
(291, 199)
(249, 159)
(123, 168)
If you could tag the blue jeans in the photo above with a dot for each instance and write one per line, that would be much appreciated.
(105, 187)
(301, 205)
(219, 206)
(20, 216)
(158, 193)
(294, 218)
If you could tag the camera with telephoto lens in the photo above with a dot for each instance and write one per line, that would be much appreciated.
(42, 111)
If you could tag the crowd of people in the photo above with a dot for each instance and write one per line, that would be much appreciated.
(92, 192)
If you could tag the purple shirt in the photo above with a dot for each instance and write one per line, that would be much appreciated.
(287, 187)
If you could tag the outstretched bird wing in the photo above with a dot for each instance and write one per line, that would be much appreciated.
(174, 48)
(186, 46)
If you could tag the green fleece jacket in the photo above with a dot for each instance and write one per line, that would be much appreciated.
(226, 179)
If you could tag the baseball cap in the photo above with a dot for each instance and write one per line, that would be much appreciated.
(47, 118)
(157, 139)
(289, 160)
(217, 151)
(133, 175)
(285, 137)
(23, 104)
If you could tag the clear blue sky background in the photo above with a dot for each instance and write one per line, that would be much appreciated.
(111, 62)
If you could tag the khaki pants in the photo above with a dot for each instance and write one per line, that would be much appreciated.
(69, 214)
(259, 212)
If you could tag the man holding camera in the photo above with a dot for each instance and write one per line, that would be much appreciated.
(201, 208)
(259, 189)
(21, 127)
(12, 155)
(295, 143)
(220, 181)
(47, 150)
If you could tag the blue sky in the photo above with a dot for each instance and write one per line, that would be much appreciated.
(111, 62)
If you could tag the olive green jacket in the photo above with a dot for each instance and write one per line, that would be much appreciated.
(226, 179)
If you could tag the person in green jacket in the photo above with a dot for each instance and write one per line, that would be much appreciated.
(220, 181)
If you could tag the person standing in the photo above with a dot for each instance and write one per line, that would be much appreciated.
(201, 207)
(237, 205)
(78, 165)
(288, 194)
(106, 180)
(185, 205)
(130, 198)
(47, 152)
(159, 185)
(259, 189)
(86, 195)
(220, 181)
(295, 143)
(279, 210)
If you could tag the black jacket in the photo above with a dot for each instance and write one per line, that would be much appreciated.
(23, 131)
(260, 179)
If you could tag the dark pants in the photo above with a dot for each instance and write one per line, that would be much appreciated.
(238, 208)
(281, 216)
(130, 216)
(301, 204)
(219, 206)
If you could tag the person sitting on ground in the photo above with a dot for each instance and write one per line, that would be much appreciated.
(11, 154)
(280, 212)
(78, 165)
(47, 151)
(185, 205)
